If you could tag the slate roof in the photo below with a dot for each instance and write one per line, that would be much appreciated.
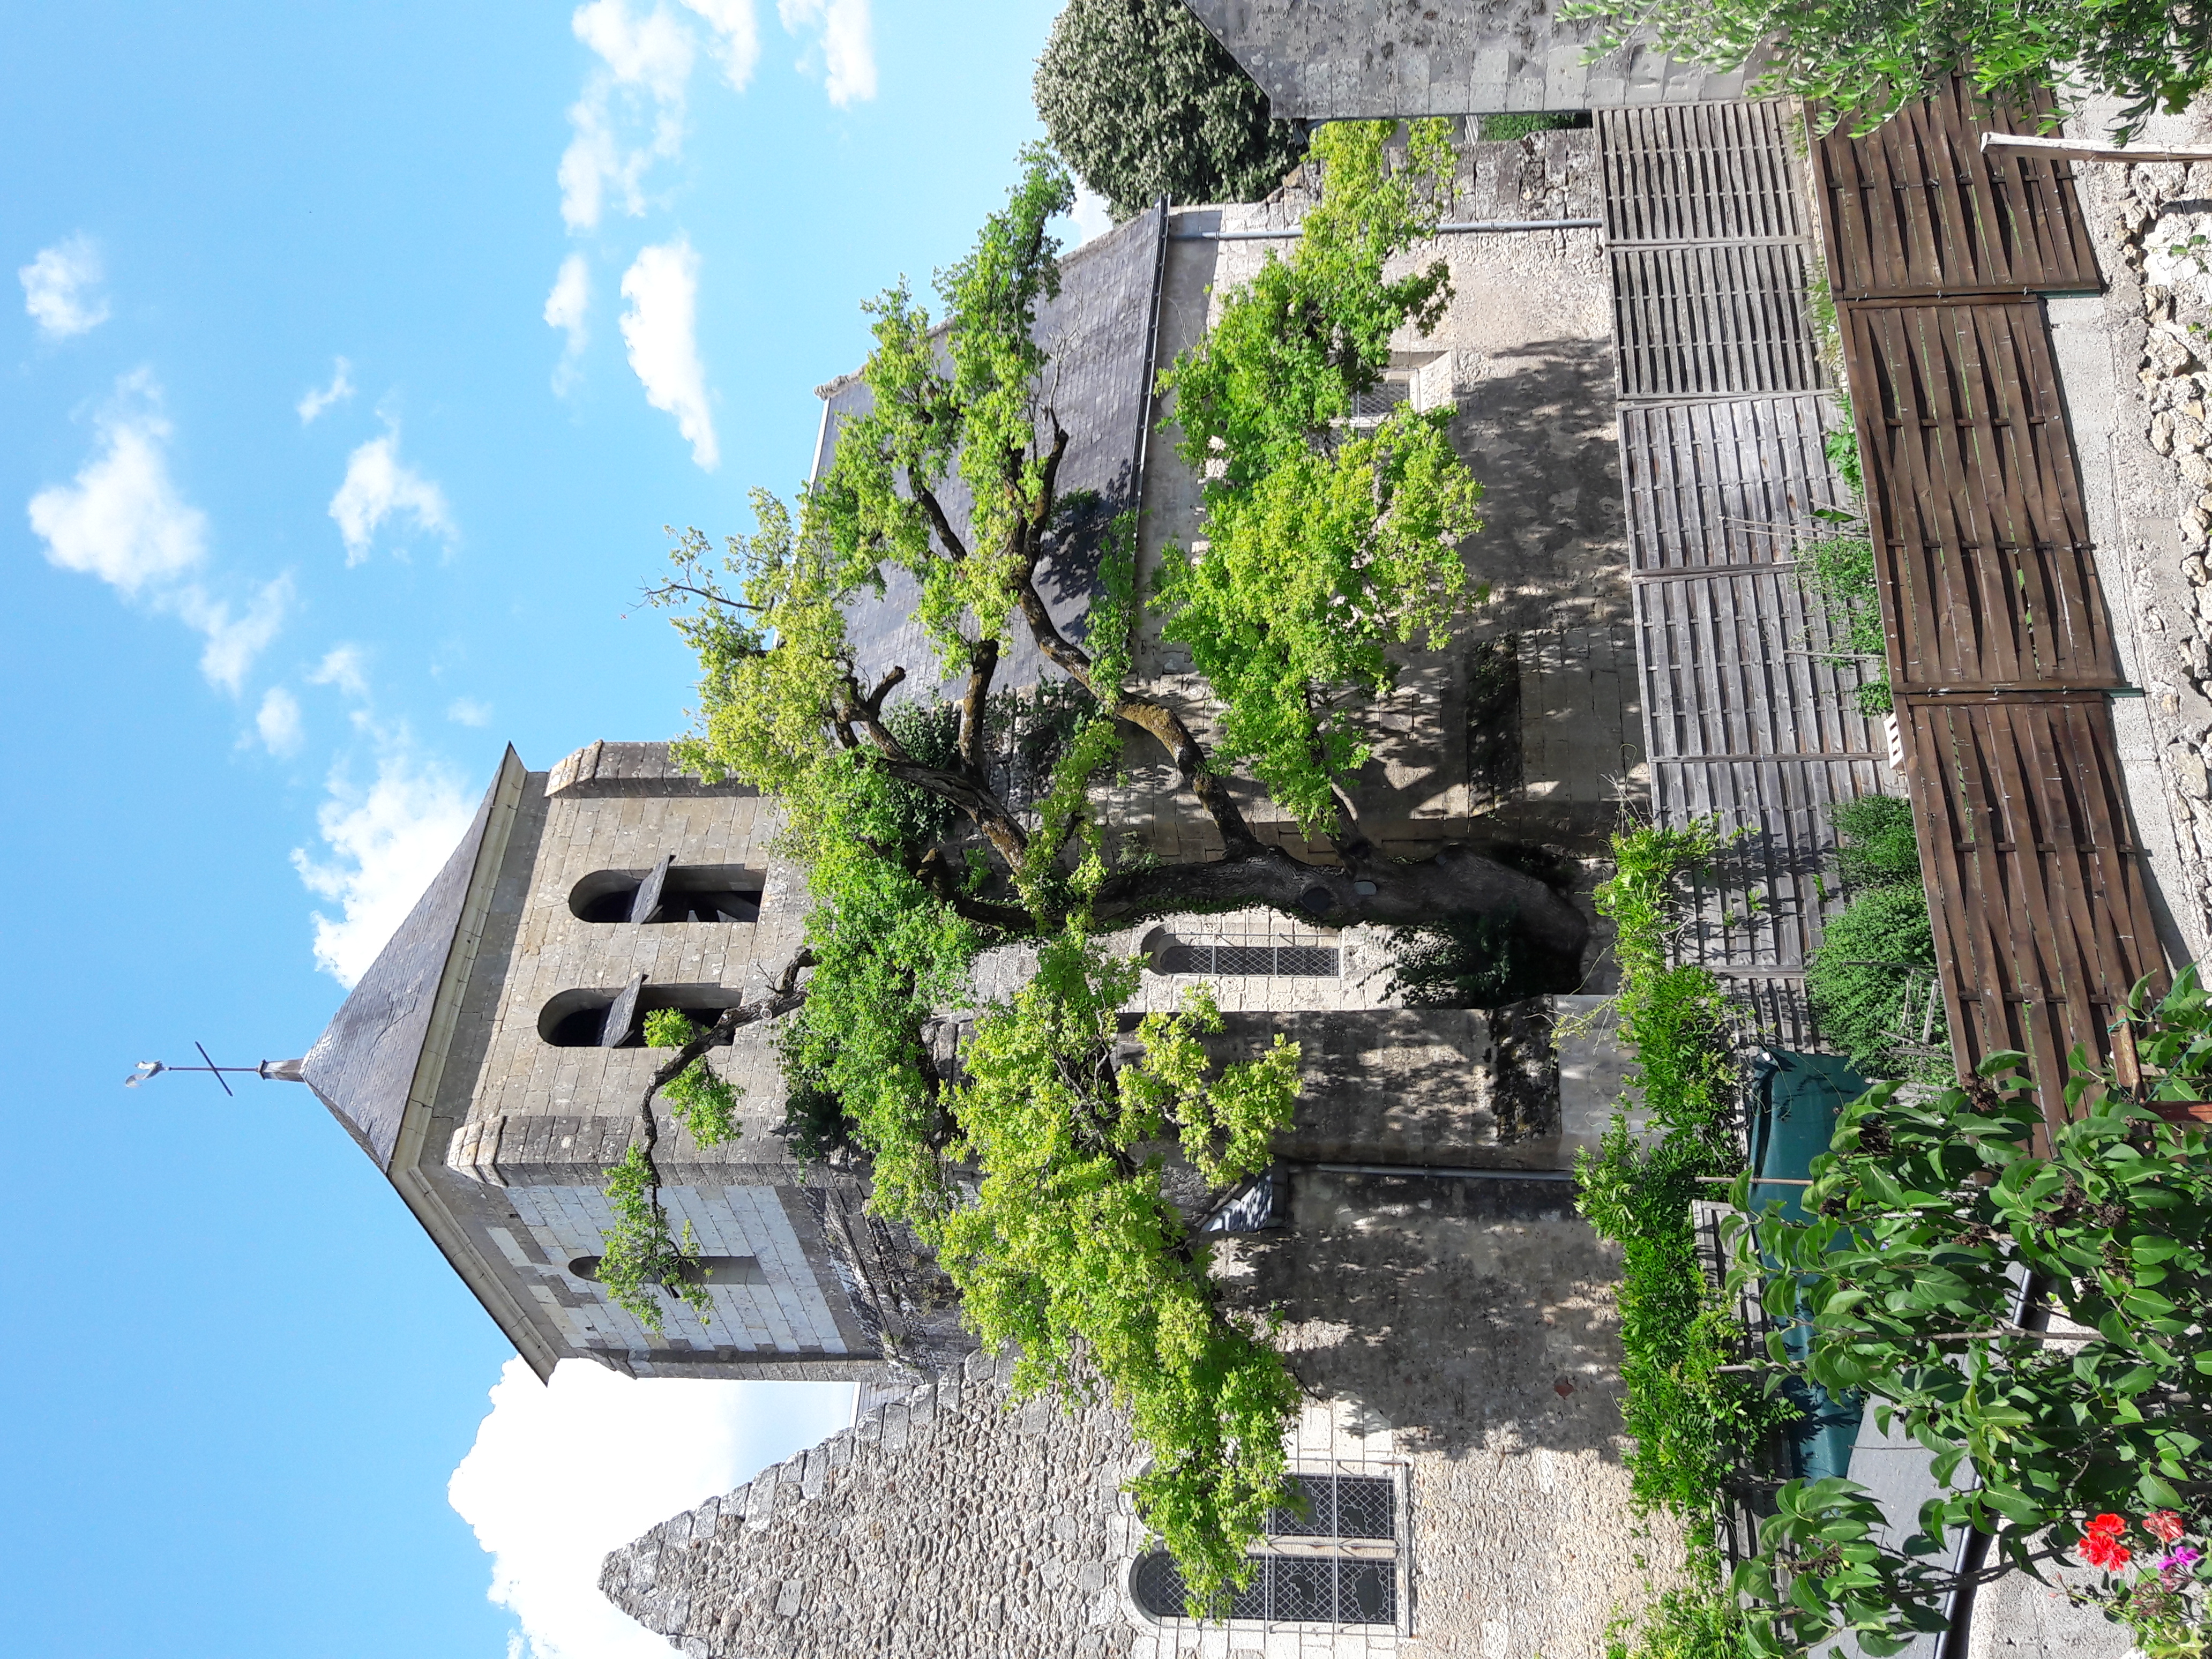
(1099, 334)
(363, 1065)
(1334, 60)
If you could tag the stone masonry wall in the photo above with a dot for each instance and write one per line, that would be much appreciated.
(941, 1525)
(1456, 1336)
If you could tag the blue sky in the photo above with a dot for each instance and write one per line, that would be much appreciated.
(363, 353)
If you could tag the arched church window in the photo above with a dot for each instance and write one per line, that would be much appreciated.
(1332, 1560)
(616, 1019)
(669, 891)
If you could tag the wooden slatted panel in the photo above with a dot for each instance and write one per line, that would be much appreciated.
(1698, 173)
(1733, 666)
(2035, 885)
(1732, 481)
(1763, 902)
(1916, 209)
(1982, 549)
(1714, 317)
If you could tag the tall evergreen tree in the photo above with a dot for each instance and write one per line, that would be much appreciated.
(1141, 102)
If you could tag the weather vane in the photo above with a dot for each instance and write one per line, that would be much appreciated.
(284, 1070)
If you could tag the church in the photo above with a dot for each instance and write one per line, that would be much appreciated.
(1449, 1315)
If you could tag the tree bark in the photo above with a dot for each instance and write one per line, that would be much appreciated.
(1456, 881)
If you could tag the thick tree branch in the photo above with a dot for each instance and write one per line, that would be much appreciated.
(1158, 719)
(785, 994)
(955, 548)
(971, 795)
(872, 706)
(1047, 482)
(1364, 889)
(936, 872)
(982, 663)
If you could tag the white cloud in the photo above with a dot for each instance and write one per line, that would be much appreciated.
(468, 711)
(562, 1473)
(387, 842)
(279, 723)
(645, 62)
(123, 520)
(567, 308)
(1089, 216)
(738, 34)
(56, 288)
(661, 330)
(344, 668)
(847, 43)
(378, 484)
(233, 643)
(653, 52)
(316, 400)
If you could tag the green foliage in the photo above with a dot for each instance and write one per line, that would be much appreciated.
(1671, 1018)
(814, 1123)
(641, 1253)
(1475, 962)
(1291, 346)
(1070, 1249)
(1145, 103)
(1903, 1277)
(1873, 984)
(889, 954)
(1861, 64)
(1524, 123)
(1837, 571)
(1876, 966)
(702, 1102)
(1877, 846)
(2173, 1041)
(1323, 546)
(1699, 1620)
(1692, 1426)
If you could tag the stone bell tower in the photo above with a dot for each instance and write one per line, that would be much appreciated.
(491, 1061)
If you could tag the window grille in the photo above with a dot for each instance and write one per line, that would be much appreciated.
(1344, 1571)
(1210, 957)
(1339, 1506)
(1379, 401)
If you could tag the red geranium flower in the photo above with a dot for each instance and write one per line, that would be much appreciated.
(2164, 1526)
(2103, 1550)
(2106, 1526)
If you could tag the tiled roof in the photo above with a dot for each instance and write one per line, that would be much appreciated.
(363, 1065)
(1099, 334)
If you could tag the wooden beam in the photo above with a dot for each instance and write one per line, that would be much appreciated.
(2075, 149)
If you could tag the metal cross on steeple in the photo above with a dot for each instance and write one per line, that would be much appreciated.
(286, 1071)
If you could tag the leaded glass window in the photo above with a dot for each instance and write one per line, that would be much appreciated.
(1330, 1560)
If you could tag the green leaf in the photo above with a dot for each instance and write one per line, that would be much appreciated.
(2157, 1493)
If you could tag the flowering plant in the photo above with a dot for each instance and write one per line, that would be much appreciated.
(2163, 1600)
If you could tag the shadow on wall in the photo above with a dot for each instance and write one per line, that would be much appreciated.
(1537, 429)
(1468, 1315)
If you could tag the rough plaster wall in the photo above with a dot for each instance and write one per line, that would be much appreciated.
(1326, 60)
(2137, 383)
(1476, 1319)
(1524, 355)
(1461, 1331)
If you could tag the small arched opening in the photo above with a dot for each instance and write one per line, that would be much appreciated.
(616, 1019)
(668, 893)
